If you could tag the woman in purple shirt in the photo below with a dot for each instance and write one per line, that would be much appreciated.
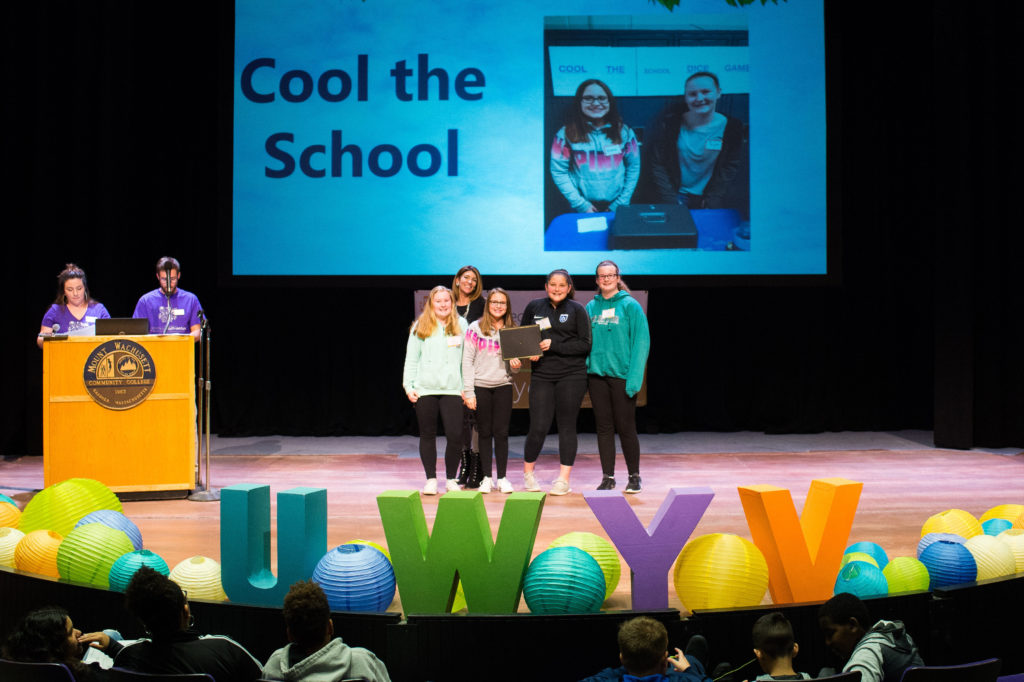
(74, 309)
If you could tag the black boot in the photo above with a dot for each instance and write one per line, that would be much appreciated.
(463, 468)
(476, 473)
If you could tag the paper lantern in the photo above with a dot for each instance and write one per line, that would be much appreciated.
(564, 580)
(873, 549)
(9, 539)
(948, 563)
(114, 519)
(1014, 513)
(1014, 539)
(199, 575)
(862, 579)
(603, 552)
(858, 556)
(994, 527)
(906, 574)
(356, 577)
(4, 498)
(720, 571)
(37, 553)
(10, 515)
(60, 506)
(955, 521)
(88, 552)
(125, 567)
(935, 537)
(994, 558)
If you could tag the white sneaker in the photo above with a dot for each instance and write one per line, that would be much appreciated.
(504, 485)
(452, 486)
(530, 482)
(431, 487)
(485, 485)
(560, 487)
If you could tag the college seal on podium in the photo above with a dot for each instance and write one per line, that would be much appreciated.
(119, 374)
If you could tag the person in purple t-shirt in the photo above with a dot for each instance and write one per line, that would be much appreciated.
(73, 309)
(170, 310)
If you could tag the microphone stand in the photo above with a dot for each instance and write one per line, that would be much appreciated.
(204, 493)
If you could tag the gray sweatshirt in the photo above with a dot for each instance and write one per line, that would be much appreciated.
(883, 653)
(481, 361)
(335, 661)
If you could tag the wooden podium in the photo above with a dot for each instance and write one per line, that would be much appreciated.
(148, 447)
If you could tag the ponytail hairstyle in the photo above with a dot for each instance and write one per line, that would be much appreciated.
(71, 271)
(621, 285)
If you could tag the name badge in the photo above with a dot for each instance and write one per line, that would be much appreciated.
(454, 341)
(543, 323)
(612, 149)
(178, 312)
(608, 312)
(90, 319)
(714, 144)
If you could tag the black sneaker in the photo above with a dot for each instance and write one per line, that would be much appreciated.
(634, 484)
(607, 483)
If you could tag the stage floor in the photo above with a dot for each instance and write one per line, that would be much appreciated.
(906, 480)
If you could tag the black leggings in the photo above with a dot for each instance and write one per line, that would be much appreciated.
(493, 413)
(614, 411)
(427, 408)
(559, 399)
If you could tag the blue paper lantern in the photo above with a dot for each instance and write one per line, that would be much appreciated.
(995, 526)
(564, 580)
(125, 567)
(935, 537)
(862, 579)
(871, 548)
(117, 521)
(356, 577)
(948, 563)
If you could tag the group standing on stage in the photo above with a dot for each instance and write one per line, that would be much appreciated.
(453, 366)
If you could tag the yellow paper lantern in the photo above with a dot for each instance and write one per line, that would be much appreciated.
(994, 558)
(9, 539)
(60, 506)
(10, 515)
(199, 575)
(37, 553)
(1014, 513)
(1014, 539)
(720, 571)
(603, 552)
(955, 521)
(858, 556)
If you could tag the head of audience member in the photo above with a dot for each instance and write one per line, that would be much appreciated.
(643, 646)
(559, 286)
(593, 107)
(774, 643)
(158, 602)
(307, 617)
(168, 272)
(843, 619)
(72, 286)
(46, 635)
(468, 283)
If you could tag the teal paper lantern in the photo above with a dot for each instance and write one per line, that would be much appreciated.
(564, 580)
(4, 498)
(88, 553)
(994, 527)
(603, 552)
(873, 549)
(906, 574)
(116, 520)
(356, 577)
(928, 539)
(862, 579)
(125, 567)
(948, 563)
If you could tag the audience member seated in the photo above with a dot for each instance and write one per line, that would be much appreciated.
(47, 635)
(172, 647)
(314, 654)
(775, 648)
(643, 652)
(880, 653)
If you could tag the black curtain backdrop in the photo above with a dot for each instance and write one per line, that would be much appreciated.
(117, 137)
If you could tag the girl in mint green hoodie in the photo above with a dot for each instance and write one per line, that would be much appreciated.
(615, 371)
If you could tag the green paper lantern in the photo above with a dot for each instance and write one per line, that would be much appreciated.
(906, 574)
(60, 506)
(564, 580)
(603, 552)
(88, 552)
(125, 567)
(858, 556)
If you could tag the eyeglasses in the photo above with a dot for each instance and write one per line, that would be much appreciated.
(600, 99)
(499, 304)
(608, 277)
